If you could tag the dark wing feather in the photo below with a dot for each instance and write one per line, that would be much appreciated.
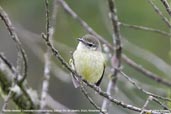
(98, 82)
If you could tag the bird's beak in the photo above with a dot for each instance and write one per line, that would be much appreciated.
(80, 39)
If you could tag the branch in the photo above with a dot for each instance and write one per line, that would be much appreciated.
(146, 103)
(19, 92)
(84, 91)
(47, 56)
(162, 105)
(142, 90)
(116, 59)
(166, 5)
(137, 27)
(157, 62)
(14, 36)
(116, 38)
(157, 10)
(146, 72)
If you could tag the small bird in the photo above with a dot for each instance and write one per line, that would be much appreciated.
(88, 60)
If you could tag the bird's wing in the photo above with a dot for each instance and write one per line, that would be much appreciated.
(98, 82)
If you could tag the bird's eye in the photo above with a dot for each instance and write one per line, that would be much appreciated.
(91, 45)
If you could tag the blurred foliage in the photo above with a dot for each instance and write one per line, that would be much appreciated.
(28, 16)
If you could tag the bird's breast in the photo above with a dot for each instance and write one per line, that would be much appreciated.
(89, 64)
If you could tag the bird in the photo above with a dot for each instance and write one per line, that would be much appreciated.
(88, 61)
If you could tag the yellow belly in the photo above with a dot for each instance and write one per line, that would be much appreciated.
(89, 65)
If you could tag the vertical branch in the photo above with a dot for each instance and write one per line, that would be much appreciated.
(116, 59)
(47, 18)
(105, 103)
(47, 56)
(170, 38)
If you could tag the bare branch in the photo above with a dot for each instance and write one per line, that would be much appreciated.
(146, 72)
(157, 10)
(47, 56)
(157, 62)
(164, 106)
(116, 60)
(146, 103)
(166, 5)
(14, 36)
(84, 91)
(47, 18)
(19, 92)
(142, 90)
(137, 27)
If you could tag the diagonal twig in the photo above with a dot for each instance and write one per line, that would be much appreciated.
(166, 5)
(137, 27)
(7, 74)
(146, 103)
(157, 10)
(142, 90)
(84, 91)
(14, 36)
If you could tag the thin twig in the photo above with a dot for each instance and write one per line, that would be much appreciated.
(164, 106)
(110, 85)
(82, 22)
(84, 91)
(146, 72)
(146, 103)
(45, 84)
(124, 57)
(116, 59)
(14, 36)
(138, 27)
(47, 56)
(142, 90)
(47, 65)
(106, 102)
(8, 97)
(8, 23)
(166, 5)
(47, 18)
(8, 78)
(153, 59)
(157, 10)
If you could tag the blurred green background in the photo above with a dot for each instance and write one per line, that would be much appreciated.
(28, 17)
